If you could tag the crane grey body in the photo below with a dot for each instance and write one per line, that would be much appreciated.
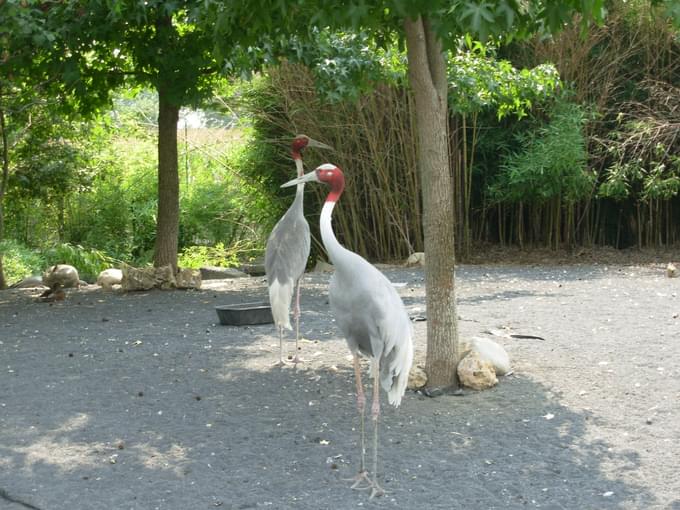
(371, 316)
(285, 260)
(286, 254)
(287, 250)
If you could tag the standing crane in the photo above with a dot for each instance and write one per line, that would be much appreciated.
(287, 252)
(371, 316)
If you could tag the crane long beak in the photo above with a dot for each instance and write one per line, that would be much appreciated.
(311, 176)
(318, 145)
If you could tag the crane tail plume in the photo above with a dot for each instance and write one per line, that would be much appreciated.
(395, 371)
(280, 296)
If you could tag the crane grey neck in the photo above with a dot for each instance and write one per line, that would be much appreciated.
(299, 195)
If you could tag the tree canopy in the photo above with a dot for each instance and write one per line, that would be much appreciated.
(428, 29)
(102, 45)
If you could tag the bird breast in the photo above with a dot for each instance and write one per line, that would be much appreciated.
(363, 306)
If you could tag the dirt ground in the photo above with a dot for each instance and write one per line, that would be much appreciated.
(141, 401)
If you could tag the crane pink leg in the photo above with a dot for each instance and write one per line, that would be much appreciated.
(362, 476)
(376, 490)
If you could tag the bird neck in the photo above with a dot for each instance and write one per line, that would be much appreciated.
(300, 172)
(297, 157)
(333, 247)
(299, 195)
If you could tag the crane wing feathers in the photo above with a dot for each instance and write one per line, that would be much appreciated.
(287, 249)
(372, 317)
(285, 260)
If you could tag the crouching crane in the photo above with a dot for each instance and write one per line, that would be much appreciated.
(370, 315)
(287, 252)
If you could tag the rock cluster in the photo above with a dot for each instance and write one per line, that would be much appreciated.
(159, 278)
(476, 373)
(483, 359)
(417, 378)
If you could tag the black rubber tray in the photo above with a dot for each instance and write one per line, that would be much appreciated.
(244, 314)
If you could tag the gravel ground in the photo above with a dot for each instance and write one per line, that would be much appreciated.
(140, 401)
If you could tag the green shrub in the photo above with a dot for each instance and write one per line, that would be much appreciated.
(550, 163)
(195, 257)
(88, 262)
(19, 261)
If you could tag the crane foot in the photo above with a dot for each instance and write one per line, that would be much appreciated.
(297, 359)
(361, 477)
(376, 490)
(281, 363)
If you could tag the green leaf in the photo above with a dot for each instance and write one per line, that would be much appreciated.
(479, 16)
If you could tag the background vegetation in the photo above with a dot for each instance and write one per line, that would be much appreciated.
(561, 142)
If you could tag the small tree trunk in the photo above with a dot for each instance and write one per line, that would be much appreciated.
(3, 187)
(167, 223)
(520, 225)
(427, 76)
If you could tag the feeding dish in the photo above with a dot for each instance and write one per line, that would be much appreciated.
(242, 314)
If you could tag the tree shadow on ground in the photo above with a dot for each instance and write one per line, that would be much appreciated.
(284, 438)
(157, 407)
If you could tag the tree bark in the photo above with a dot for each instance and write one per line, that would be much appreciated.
(427, 76)
(167, 222)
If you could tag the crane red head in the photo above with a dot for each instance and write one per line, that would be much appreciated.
(327, 173)
(301, 142)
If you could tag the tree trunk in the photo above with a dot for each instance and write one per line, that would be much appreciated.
(427, 76)
(167, 222)
(3, 187)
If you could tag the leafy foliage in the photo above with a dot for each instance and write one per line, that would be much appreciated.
(218, 255)
(52, 158)
(550, 162)
(103, 44)
(478, 80)
(347, 65)
(265, 28)
(112, 210)
(88, 261)
(20, 261)
(643, 148)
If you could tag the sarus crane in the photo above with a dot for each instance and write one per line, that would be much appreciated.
(287, 252)
(371, 316)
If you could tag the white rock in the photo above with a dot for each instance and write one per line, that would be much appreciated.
(64, 274)
(494, 353)
(110, 277)
(416, 259)
(476, 373)
(671, 270)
